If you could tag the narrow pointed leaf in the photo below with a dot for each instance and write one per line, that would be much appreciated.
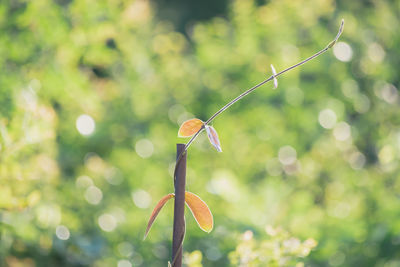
(213, 137)
(190, 127)
(274, 74)
(156, 210)
(200, 211)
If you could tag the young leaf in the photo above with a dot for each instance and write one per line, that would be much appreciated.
(190, 127)
(213, 137)
(274, 74)
(155, 212)
(200, 211)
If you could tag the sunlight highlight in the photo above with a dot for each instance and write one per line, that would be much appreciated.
(343, 51)
(141, 198)
(144, 148)
(107, 222)
(85, 125)
(62, 232)
(327, 118)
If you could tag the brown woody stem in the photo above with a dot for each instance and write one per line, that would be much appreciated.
(179, 207)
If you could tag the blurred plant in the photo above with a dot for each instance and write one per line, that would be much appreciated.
(193, 259)
(280, 249)
(192, 128)
(319, 157)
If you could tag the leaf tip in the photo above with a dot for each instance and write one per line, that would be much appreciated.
(341, 26)
(332, 43)
(155, 212)
(144, 237)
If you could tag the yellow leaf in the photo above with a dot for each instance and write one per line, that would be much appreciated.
(190, 127)
(200, 211)
(155, 212)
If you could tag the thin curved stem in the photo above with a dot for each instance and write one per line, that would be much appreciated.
(248, 91)
(278, 74)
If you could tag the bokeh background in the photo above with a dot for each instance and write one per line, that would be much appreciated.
(92, 94)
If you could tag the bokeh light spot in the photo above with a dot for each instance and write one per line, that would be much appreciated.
(85, 124)
(175, 111)
(362, 103)
(248, 235)
(144, 148)
(223, 183)
(213, 253)
(327, 118)
(107, 222)
(83, 181)
(357, 160)
(386, 154)
(137, 259)
(342, 131)
(124, 263)
(341, 210)
(389, 93)
(48, 215)
(343, 51)
(350, 88)
(287, 155)
(113, 176)
(141, 198)
(160, 251)
(93, 195)
(376, 52)
(337, 259)
(62, 232)
(125, 249)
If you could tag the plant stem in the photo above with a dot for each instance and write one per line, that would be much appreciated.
(179, 207)
(248, 91)
(182, 149)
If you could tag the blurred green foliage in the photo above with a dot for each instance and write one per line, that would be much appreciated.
(281, 250)
(92, 94)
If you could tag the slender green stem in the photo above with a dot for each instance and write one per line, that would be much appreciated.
(248, 91)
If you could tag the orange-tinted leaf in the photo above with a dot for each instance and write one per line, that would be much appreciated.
(155, 212)
(274, 74)
(200, 211)
(190, 127)
(213, 137)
